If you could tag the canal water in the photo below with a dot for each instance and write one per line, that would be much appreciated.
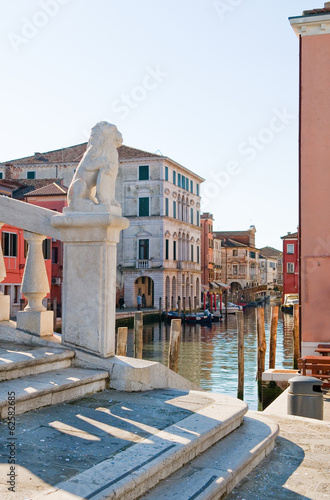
(208, 356)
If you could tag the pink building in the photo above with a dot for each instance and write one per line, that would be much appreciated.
(313, 30)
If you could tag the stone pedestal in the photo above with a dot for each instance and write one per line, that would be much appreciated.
(89, 284)
(4, 307)
(39, 322)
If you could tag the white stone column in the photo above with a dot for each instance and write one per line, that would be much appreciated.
(35, 286)
(4, 299)
(89, 279)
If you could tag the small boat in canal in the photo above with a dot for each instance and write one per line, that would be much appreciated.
(231, 308)
(289, 300)
(203, 318)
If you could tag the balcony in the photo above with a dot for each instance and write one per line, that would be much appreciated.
(186, 265)
(143, 264)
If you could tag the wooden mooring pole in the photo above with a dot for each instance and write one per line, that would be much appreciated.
(189, 300)
(166, 306)
(122, 341)
(195, 304)
(273, 337)
(261, 348)
(173, 354)
(138, 334)
(296, 343)
(240, 354)
(160, 306)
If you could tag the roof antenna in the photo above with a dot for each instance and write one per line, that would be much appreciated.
(158, 151)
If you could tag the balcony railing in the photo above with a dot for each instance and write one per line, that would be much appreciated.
(143, 264)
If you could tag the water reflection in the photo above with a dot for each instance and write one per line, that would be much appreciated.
(208, 356)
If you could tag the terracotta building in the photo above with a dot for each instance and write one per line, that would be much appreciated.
(13, 243)
(313, 31)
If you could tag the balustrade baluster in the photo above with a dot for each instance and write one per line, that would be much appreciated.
(35, 286)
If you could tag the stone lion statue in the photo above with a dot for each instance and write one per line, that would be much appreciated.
(94, 180)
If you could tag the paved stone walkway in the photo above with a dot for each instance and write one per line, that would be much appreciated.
(299, 466)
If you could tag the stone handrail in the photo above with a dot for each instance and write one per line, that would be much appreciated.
(28, 217)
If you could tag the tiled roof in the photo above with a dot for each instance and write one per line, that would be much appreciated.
(231, 243)
(290, 236)
(20, 187)
(52, 189)
(317, 12)
(270, 252)
(230, 234)
(73, 154)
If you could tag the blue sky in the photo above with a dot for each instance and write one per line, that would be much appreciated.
(212, 84)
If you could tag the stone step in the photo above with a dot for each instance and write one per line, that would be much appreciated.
(44, 389)
(216, 472)
(20, 361)
(133, 471)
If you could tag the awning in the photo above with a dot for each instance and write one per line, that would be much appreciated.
(218, 284)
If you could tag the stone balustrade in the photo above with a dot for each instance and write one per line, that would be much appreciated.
(35, 286)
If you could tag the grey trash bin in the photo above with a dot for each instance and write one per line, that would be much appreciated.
(305, 397)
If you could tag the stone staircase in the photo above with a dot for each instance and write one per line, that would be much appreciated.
(43, 376)
(202, 454)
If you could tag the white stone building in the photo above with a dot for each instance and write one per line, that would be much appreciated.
(159, 255)
(270, 263)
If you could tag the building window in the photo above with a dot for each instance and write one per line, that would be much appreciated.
(191, 216)
(272, 265)
(187, 184)
(9, 244)
(252, 255)
(143, 207)
(55, 255)
(166, 173)
(174, 177)
(183, 182)
(1, 175)
(143, 172)
(174, 250)
(166, 249)
(192, 253)
(174, 209)
(235, 269)
(166, 206)
(46, 245)
(197, 255)
(197, 214)
(197, 189)
(179, 180)
(143, 249)
(31, 175)
(290, 267)
(235, 253)
(191, 187)
(290, 248)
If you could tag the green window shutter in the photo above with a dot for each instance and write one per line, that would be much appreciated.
(143, 172)
(143, 207)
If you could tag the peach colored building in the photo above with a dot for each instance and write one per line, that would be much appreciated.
(313, 30)
(207, 249)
